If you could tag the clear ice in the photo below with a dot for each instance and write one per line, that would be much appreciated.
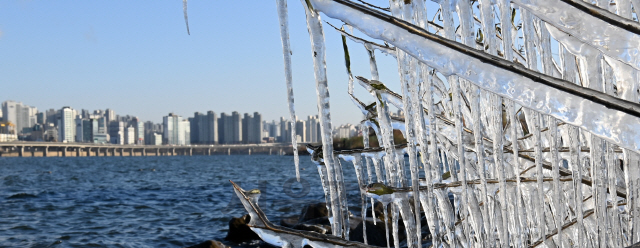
(523, 116)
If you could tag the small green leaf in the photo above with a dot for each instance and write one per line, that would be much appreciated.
(446, 175)
(347, 58)
(379, 189)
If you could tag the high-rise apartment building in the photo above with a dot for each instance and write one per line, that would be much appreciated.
(22, 116)
(312, 129)
(236, 128)
(129, 135)
(66, 125)
(204, 128)
(116, 132)
(285, 131)
(176, 130)
(110, 114)
(301, 131)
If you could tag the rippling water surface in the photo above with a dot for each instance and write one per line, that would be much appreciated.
(144, 201)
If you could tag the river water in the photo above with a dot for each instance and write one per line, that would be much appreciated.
(146, 201)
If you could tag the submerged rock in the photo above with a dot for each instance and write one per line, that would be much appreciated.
(313, 211)
(209, 244)
(375, 234)
(289, 221)
(239, 231)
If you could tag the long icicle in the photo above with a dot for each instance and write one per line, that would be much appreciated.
(520, 210)
(558, 191)
(614, 217)
(498, 146)
(538, 201)
(283, 17)
(316, 35)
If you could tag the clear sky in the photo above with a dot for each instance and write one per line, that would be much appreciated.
(135, 57)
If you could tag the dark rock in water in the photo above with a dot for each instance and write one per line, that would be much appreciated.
(239, 231)
(209, 244)
(375, 234)
(636, 245)
(289, 221)
(378, 208)
(313, 211)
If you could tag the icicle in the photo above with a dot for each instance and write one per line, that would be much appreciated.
(356, 159)
(322, 172)
(521, 231)
(373, 66)
(469, 199)
(538, 201)
(475, 105)
(343, 199)
(610, 39)
(491, 75)
(186, 18)
(286, 51)
(614, 218)
(506, 28)
(316, 35)
(529, 37)
(496, 110)
(576, 170)
(489, 27)
(632, 177)
(386, 223)
(599, 194)
(558, 191)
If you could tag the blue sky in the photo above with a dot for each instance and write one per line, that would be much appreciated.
(135, 57)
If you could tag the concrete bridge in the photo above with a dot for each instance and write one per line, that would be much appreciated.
(57, 149)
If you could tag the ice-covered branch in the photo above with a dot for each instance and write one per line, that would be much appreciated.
(613, 119)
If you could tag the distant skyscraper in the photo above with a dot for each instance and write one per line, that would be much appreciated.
(204, 128)
(247, 121)
(212, 125)
(170, 134)
(66, 125)
(312, 126)
(41, 118)
(116, 132)
(176, 130)
(184, 132)
(22, 116)
(148, 132)
(79, 129)
(301, 131)
(236, 128)
(110, 114)
(52, 117)
(85, 114)
(129, 135)
(256, 129)
(138, 126)
(223, 138)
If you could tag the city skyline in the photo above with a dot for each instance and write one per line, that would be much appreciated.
(142, 62)
(20, 121)
(115, 113)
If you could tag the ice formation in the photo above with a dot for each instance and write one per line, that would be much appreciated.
(518, 147)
